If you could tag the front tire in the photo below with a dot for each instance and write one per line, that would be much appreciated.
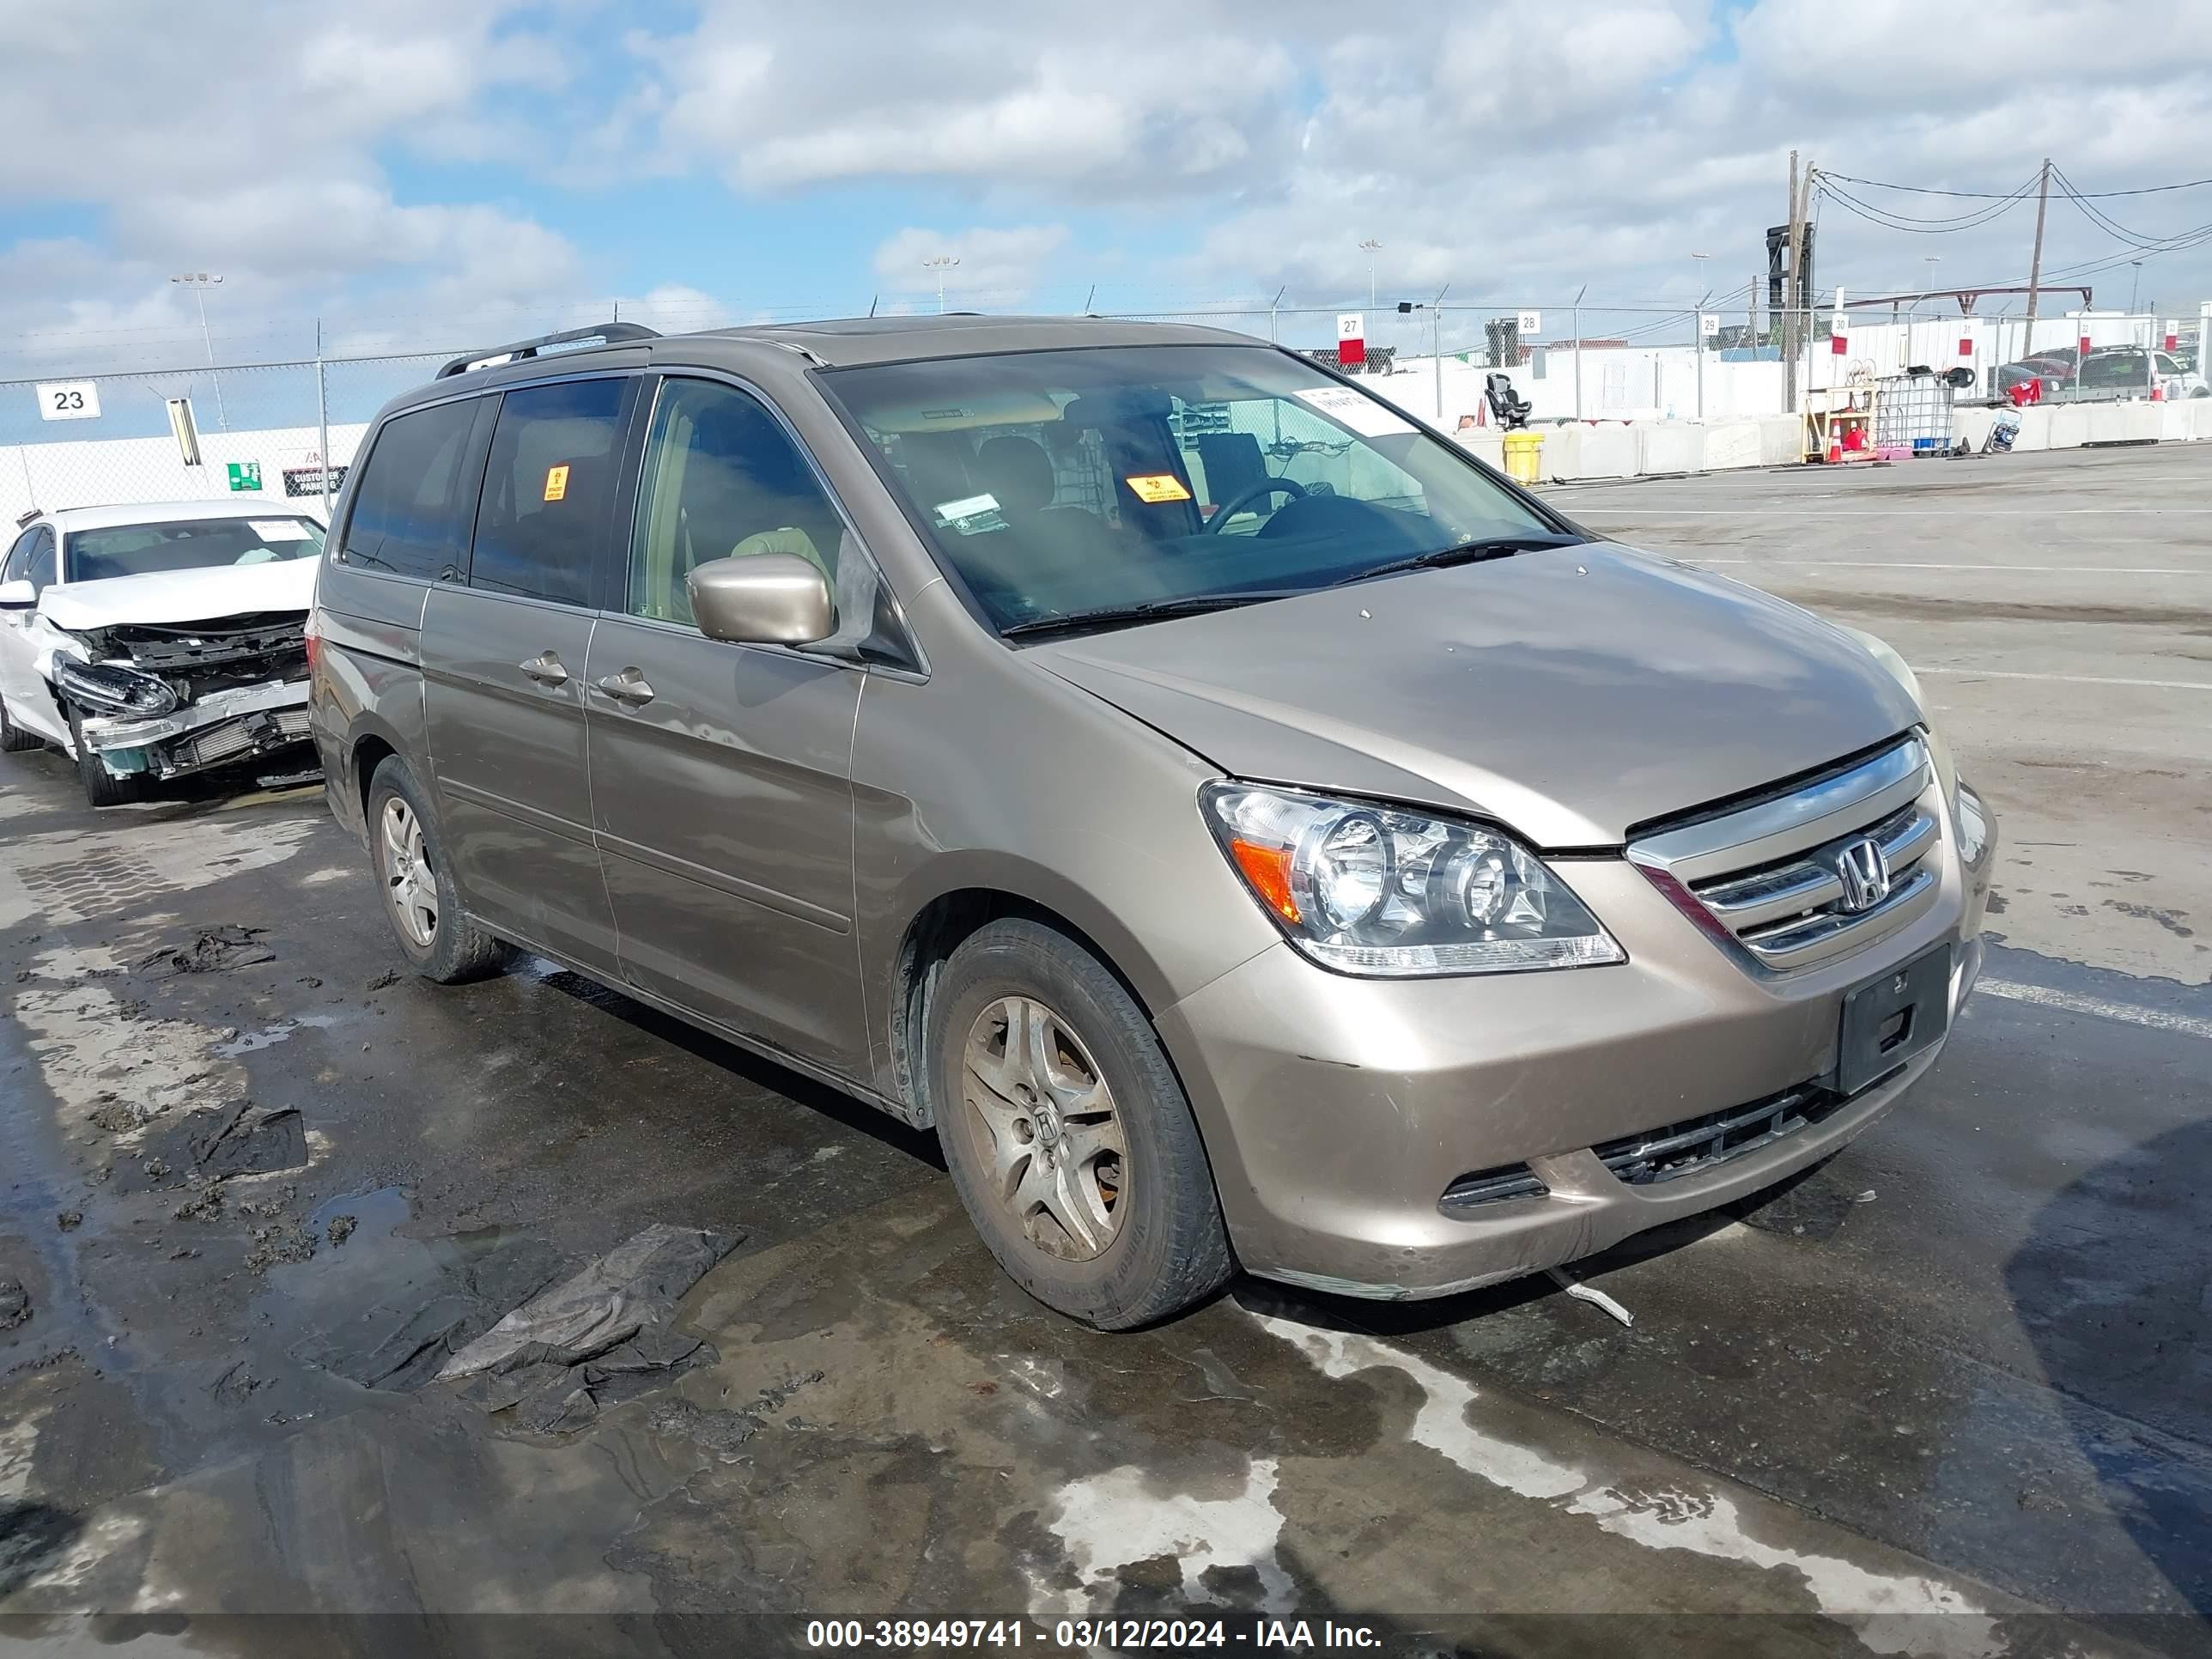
(421, 899)
(101, 786)
(14, 740)
(1068, 1137)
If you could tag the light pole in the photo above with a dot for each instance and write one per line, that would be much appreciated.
(1370, 247)
(940, 263)
(1701, 258)
(200, 281)
(2135, 286)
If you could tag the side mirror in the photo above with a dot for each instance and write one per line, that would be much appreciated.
(769, 598)
(18, 595)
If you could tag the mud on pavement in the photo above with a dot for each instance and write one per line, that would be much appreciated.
(262, 1192)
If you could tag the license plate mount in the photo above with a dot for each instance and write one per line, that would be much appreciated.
(1901, 1013)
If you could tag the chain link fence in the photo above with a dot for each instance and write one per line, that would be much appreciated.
(285, 431)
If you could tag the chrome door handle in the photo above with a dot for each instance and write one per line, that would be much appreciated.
(545, 669)
(630, 686)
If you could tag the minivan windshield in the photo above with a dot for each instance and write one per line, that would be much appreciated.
(142, 549)
(1099, 486)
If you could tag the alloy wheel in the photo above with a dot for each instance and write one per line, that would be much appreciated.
(409, 882)
(1041, 1115)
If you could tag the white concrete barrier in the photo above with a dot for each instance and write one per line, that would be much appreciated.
(2069, 426)
(1670, 446)
(1781, 439)
(1731, 444)
(1486, 443)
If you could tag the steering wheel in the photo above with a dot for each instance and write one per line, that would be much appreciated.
(1249, 494)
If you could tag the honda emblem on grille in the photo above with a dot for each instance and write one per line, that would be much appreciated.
(1864, 872)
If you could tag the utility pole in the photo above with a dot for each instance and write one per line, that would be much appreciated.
(200, 281)
(2035, 260)
(1789, 297)
(940, 263)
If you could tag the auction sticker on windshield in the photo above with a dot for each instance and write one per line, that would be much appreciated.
(279, 530)
(1157, 487)
(1369, 418)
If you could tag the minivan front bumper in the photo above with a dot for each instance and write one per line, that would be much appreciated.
(1337, 1111)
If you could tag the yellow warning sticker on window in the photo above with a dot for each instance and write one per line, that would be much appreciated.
(557, 482)
(1157, 487)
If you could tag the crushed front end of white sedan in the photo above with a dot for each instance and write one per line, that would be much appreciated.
(147, 665)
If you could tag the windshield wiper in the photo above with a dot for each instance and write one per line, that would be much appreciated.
(1145, 611)
(1490, 547)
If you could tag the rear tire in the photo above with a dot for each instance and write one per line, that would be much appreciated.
(101, 786)
(421, 899)
(1069, 1138)
(14, 740)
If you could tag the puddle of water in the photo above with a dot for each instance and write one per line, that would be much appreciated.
(269, 1036)
(376, 1291)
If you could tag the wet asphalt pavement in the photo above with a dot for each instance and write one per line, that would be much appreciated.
(1945, 1389)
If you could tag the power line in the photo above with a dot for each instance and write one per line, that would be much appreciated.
(1914, 225)
(1992, 195)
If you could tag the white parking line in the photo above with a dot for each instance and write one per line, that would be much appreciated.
(2155, 1019)
(2061, 679)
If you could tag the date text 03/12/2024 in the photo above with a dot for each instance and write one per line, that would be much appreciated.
(1089, 1635)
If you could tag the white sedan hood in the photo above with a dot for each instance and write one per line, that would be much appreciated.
(182, 596)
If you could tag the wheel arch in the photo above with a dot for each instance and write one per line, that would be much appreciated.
(956, 910)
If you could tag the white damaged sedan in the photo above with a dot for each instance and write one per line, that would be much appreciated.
(155, 640)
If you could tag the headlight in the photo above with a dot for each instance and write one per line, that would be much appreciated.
(1973, 826)
(1390, 893)
(111, 689)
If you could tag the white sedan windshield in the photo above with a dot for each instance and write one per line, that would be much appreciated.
(139, 550)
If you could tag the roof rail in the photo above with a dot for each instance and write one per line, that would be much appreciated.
(610, 333)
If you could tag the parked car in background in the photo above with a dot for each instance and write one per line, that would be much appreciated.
(1246, 827)
(2107, 375)
(2114, 372)
(151, 641)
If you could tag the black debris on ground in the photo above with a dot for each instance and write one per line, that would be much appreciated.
(399, 1350)
(244, 1140)
(340, 1229)
(69, 1220)
(383, 982)
(15, 1303)
(273, 1246)
(119, 1117)
(213, 951)
(599, 1338)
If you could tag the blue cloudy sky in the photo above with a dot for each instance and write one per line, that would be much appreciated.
(425, 172)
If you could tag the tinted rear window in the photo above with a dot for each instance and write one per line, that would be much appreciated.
(412, 506)
(548, 490)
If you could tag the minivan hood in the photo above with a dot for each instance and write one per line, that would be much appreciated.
(1568, 693)
(182, 596)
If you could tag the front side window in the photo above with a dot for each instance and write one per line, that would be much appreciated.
(412, 503)
(145, 549)
(724, 481)
(13, 568)
(548, 490)
(38, 569)
(1061, 484)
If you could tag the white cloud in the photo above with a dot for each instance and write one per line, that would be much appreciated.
(1194, 149)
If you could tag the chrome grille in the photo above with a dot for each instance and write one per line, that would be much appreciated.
(1776, 876)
